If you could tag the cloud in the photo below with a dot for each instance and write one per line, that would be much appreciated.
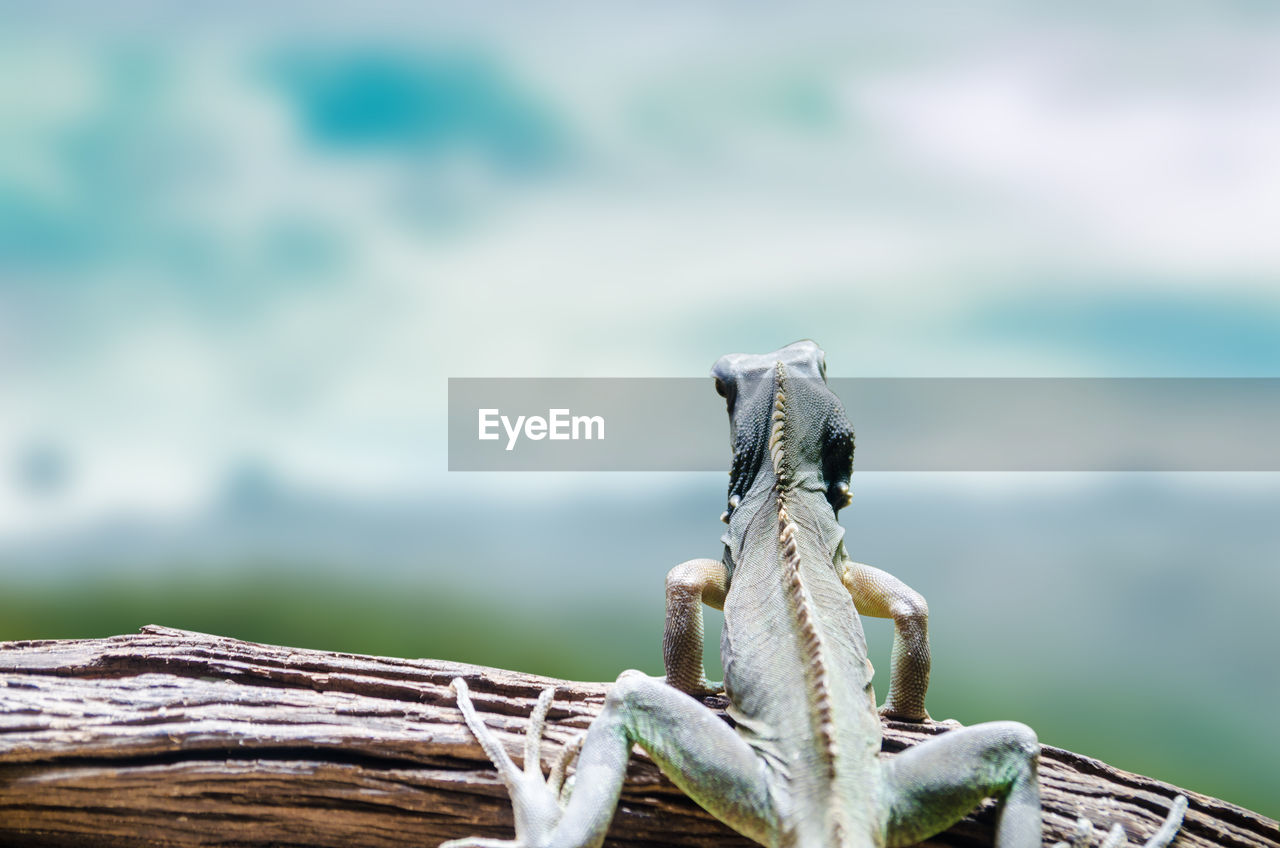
(1130, 167)
(277, 245)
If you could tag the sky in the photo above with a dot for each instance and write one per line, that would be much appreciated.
(228, 235)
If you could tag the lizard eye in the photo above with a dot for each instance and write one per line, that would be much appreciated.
(837, 458)
(728, 390)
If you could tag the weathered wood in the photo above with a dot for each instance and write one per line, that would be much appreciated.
(174, 738)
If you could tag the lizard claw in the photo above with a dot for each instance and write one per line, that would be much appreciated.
(1115, 837)
(535, 804)
(1080, 837)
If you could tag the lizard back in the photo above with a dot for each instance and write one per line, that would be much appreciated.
(795, 658)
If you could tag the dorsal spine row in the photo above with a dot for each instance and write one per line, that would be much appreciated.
(815, 664)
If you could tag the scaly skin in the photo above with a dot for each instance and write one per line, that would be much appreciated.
(802, 766)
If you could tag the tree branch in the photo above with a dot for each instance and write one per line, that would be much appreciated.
(173, 738)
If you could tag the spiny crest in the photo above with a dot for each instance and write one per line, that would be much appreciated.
(815, 664)
(839, 828)
(778, 427)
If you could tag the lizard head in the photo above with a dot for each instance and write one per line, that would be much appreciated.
(781, 410)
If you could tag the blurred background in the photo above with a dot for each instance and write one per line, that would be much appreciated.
(241, 253)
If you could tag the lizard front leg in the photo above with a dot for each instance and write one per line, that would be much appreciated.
(690, 585)
(881, 595)
(691, 745)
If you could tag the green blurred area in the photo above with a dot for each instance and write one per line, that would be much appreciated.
(1149, 732)
(338, 615)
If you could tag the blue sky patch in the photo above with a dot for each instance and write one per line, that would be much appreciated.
(1191, 334)
(420, 104)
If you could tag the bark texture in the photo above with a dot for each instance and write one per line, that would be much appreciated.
(172, 738)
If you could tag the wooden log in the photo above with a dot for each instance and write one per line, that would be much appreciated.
(173, 738)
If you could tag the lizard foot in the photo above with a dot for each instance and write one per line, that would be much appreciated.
(708, 689)
(705, 689)
(1116, 836)
(892, 711)
(535, 803)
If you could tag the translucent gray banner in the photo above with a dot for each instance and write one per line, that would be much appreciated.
(944, 424)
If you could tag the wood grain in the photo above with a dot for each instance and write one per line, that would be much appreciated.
(173, 738)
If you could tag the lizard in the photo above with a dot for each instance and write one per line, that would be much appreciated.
(801, 764)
